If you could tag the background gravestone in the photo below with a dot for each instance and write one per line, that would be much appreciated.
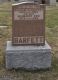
(28, 21)
(28, 29)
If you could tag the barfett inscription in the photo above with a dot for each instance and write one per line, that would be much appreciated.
(29, 40)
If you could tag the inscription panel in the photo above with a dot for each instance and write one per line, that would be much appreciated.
(28, 15)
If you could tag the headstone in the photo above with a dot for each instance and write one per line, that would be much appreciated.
(52, 2)
(28, 24)
(2, 1)
(28, 48)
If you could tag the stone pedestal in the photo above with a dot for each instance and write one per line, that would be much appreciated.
(28, 57)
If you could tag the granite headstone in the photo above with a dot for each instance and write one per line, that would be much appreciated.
(28, 24)
(28, 48)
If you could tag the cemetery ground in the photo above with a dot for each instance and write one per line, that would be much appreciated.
(51, 37)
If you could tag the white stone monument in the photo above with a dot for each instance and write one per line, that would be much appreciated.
(52, 2)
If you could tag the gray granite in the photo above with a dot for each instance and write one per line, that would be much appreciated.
(28, 57)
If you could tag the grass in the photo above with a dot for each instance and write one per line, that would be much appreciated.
(51, 37)
(5, 14)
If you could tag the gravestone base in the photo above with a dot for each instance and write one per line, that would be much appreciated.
(28, 57)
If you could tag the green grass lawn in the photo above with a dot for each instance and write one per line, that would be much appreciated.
(51, 37)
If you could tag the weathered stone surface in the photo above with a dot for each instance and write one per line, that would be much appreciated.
(28, 57)
(32, 31)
